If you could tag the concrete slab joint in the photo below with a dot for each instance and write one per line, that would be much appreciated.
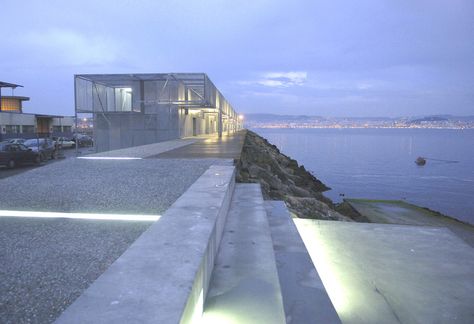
(163, 277)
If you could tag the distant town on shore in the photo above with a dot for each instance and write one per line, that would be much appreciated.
(304, 121)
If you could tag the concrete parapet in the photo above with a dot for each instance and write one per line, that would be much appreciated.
(164, 275)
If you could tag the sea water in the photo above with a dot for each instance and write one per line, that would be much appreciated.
(380, 164)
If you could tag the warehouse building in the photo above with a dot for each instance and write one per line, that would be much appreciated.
(136, 109)
(14, 123)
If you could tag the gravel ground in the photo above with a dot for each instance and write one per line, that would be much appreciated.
(45, 264)
(147, 186)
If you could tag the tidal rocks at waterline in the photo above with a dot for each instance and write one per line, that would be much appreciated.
(281, 178)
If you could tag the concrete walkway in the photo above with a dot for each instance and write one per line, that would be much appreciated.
(227, 147)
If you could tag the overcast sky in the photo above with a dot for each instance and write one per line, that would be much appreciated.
(331, 58)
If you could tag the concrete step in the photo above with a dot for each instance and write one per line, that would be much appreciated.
(244, 286)
(304, 297)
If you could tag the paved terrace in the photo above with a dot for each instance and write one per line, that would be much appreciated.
(401, 212)
(382, 273)
(46, 263)
(227, 147)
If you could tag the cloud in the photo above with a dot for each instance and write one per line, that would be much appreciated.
(283, 79)
(278, 79)
(71, 47)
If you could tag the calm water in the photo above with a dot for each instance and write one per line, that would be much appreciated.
(379, 164)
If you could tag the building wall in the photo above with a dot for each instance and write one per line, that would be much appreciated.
(13, 125)
(7, 118)
(206, 123)
(154, 122)
(120, 130)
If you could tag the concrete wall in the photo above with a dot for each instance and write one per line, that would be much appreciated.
(120, 130)
(17, 119)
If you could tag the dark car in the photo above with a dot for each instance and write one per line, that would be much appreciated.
(44, 146)
(83, 140)
(12, 155)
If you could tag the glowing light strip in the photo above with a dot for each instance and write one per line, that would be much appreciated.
(320, 251)
(108, 158)
(119, 217)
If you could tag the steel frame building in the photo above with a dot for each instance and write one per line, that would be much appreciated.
(137, 109)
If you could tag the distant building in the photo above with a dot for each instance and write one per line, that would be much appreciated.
(136, 109)
(15, 123)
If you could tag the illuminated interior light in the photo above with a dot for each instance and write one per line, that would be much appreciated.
(119, 217)
(108, 158)
(333, 277)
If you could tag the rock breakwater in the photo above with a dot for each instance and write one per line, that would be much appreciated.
(281, 178)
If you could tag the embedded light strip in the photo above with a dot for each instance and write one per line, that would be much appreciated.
(108, 158)
(320, 250)
(119, 217)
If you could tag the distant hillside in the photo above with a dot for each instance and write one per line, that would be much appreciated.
(429, 119)
(309, 121)
(276, 117)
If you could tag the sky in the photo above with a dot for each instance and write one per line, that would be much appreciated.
(327, 58)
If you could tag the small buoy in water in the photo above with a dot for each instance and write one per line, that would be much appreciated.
(420, 161)
(341, 195)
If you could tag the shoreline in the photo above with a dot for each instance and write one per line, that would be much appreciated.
(361, 127)
(263, 162)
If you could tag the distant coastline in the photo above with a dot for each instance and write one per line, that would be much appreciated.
(270, 126)
(318, 122)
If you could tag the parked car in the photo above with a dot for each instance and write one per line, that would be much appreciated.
(12, 155)
(83, 140)
(44, 146)
(63, 142)
(16, 140)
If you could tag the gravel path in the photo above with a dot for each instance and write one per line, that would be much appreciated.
(147, 186)
(45, 264)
